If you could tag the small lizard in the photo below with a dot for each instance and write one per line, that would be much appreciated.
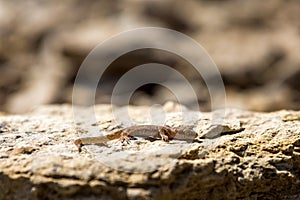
(150, 132)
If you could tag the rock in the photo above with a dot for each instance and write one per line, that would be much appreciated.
(255, 45)
(259, 159)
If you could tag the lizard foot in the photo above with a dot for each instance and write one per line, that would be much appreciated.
(79, 144)
(164, 134)
(164, 138)
(125, 139)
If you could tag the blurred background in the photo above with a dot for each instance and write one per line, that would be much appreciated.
(255, 44)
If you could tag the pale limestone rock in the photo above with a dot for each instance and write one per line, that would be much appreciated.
(259, 159)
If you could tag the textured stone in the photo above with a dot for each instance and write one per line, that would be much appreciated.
(255, 45)
(257, 158)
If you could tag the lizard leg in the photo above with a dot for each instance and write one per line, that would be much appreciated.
(163, 134)
(125, 137)
(79, 144)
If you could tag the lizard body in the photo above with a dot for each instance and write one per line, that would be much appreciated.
(150, 132)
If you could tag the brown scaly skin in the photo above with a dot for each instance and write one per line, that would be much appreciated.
(150, 132)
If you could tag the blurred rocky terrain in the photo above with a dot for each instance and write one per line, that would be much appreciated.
(255, 44)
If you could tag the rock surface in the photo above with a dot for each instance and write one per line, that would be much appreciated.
(255, 45)
(257, 156)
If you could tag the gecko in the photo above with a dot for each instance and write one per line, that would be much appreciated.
(150, 132)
